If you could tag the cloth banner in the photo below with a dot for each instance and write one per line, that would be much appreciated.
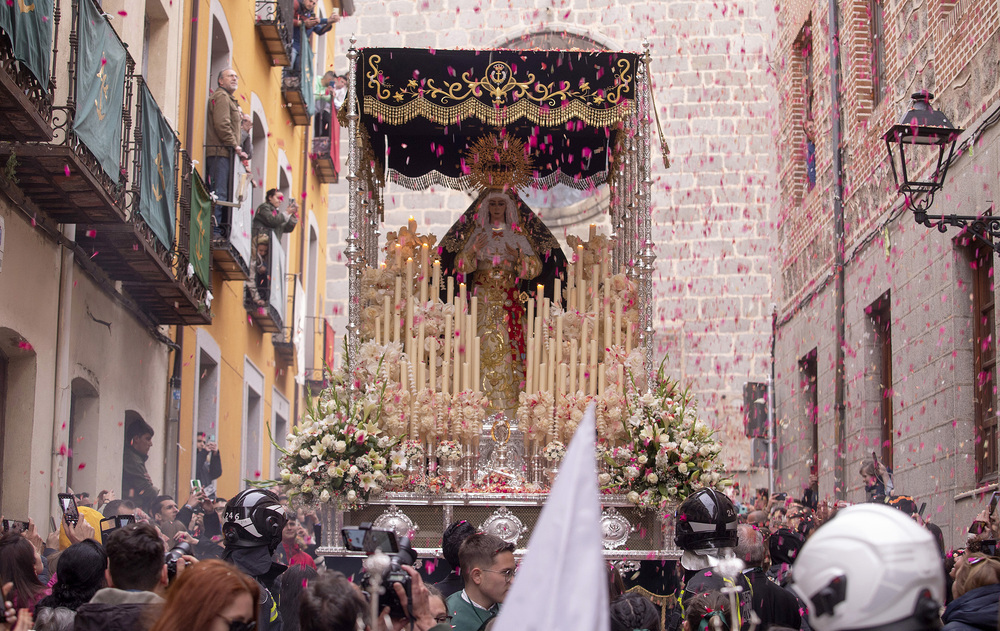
(329, 346)
(279, 287)
(7, 21)
(201, 225)
(100, 89)
(32, 36)
(306, 72)
(241, 217)
(157, 179)
(562, 584)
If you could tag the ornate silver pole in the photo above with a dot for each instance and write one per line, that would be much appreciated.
(645, 210)
(353, 251)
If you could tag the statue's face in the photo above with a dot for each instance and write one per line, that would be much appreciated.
(497, 208)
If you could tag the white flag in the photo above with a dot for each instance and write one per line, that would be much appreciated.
(562, 584)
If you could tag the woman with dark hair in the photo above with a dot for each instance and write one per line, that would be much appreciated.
(79, 574)
(708, 612)
(210, 596)
(293, 582)
(332, 603)
(21, 564)
(631, 611)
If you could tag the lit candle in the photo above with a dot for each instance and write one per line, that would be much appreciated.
(436, 282)
(581, 282)
(412, 224)
(399, 256)
(408, 285)
(593, 231)
(462, 304)
(540, 296)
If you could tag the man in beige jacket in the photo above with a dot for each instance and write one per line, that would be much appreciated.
(222, 141)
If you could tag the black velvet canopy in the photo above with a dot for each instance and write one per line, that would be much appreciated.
(423, 109)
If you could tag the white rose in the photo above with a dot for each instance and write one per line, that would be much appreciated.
(295, 479)
(631, 473)
(305, 454)
(340, 446)
(324, 496)
(632, 497)
(652, 478)
(351, 496)
(285, 475)
(682, 468)
(327, 441)
(604, 479)
(643, 459)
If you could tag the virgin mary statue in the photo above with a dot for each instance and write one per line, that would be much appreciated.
(502, 251)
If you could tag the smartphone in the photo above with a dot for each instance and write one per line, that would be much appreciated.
(68, 504)
(923, 507)
(113, 523)
(13, 525)
(988, 547)
(211, 438)
(369, 540)
(993, 502)
(196, 485)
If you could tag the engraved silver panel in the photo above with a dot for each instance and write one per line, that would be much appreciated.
(504, 524)
(615, 529)
(397, 521)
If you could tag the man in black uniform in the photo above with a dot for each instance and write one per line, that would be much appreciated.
(252, 531)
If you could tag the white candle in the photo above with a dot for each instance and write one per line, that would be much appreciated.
(386, 319)
(595, 298)
(432, 367)
(572, 366)
(445, 369)
(378, 329)
(529, 365)
(447, 341)
(559, 338)
(628, 339)
(408, 333)
(412, 225)
(581, 298)
(557, 292)
(399, 257)
(451, 290)
(408, 285)
(570, 288)
(593, 231)
(618, 321)
(436, 282)
(601, 376)
(466, 376)
(543, 371)
(475, 364)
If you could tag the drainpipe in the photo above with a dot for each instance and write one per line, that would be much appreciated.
(839, 406)
(62, 391)
(771, 404)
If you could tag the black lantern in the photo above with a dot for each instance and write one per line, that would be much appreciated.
(919, 134)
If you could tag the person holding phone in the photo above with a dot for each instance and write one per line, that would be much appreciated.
(137, 485)
(208, 464)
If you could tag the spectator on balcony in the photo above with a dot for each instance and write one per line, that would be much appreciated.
(208, 463)
(260, 289)
(270, 220)
(136, 483)
(339, 92)
(323, 92)
(224, 121)
(246, 139)
(304, 16)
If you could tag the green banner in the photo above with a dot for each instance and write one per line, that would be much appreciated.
(100, 89)
(7, 20)
(33, 36)
(201, 229)
(156, 179)
(306, 72)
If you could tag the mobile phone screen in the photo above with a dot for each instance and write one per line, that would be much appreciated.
(68, 504)
(993, 502)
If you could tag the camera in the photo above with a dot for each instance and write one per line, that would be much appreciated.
(367, 539)
(173, 556)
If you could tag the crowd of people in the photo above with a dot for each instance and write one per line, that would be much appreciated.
(250, 563)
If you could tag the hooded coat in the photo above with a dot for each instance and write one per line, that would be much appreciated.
(974, 610)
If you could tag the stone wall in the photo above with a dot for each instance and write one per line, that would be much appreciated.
(712, 209)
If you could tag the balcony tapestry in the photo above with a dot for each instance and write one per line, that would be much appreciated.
(157, 198)
(29, 26)
(100, 89)
(201, 221)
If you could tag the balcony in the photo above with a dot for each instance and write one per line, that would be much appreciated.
(324, 160)
(265, 297)
(296, 84)
(231, 251)
(71, 171)
(291, 342)
(274, 27)
(146, 252)
(25, 100)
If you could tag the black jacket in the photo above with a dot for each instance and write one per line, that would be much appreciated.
(209, 466)
(256, 563)
(118, 610)
(773, 604)
(973, 610)
(136, 483)
(451, 584)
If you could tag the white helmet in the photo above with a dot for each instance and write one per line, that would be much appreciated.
(870, 567)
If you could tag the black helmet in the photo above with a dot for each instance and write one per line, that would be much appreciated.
(254, 518)
(706, 520)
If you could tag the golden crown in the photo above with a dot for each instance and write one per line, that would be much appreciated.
(499, 163)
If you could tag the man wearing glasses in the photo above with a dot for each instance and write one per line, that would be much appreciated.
(488, 568)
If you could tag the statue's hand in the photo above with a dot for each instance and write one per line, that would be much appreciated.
(480, 242)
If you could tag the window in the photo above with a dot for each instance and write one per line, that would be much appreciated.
(877, 21)
(279, 423)
(81, 458)
(810, 403)
(810, 164)
(806, 52)
(253, 422)
(881, 372)
(208, 394)
(312, 284)
(980, 259)
(802, 106)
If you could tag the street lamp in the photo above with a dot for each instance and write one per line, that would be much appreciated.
(920, 134)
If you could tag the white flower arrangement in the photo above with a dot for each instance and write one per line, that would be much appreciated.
(448, 450)
(554, 451)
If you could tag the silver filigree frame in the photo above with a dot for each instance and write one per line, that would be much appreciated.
(615, 529)
(504, 524)
(397, 521)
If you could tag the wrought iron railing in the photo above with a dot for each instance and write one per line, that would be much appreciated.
(63, 116)
(40, 96)
(278, 13)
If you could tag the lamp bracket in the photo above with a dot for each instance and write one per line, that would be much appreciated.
(986, 228)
